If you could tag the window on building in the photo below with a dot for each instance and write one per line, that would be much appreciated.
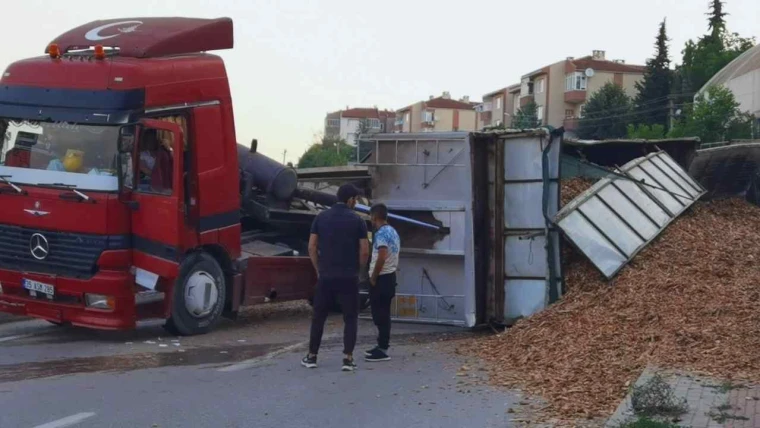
(569, 114)
(582, 110)
(382, 126)
(333, 123)
(575, 81)
(406, 117)
(540, 86)
(374, 123)
(516, 106)
(540, 114)
(498, 103)
(428, 116)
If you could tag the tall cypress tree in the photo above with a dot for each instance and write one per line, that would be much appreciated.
(651, 102)
(708, 55)
(717, 21)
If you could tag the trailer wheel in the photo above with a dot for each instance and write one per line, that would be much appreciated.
(199, 296)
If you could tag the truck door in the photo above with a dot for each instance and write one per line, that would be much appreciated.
(158, 203)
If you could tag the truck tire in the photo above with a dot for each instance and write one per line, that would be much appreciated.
(199, 296)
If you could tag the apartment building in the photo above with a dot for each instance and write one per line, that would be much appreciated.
(499, 107)
(347, 123)
(438, 114)
(561, 90)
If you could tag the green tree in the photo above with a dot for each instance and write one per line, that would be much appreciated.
(329, 151)
(709, 54)
(651, 103)
(606, 114)
(717, 21)
(364, 127)
(526, 117)
(646, 132)
(715, 117)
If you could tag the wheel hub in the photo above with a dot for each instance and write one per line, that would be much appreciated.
(201, 294)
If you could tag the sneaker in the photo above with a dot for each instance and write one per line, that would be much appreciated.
(369, 352)
(309, 362)
(348, 365)
(377, 355)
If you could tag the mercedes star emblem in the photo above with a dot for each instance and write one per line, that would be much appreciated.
(39, 247)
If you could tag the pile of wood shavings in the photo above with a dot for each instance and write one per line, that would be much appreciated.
(571, 188)
(691, 300)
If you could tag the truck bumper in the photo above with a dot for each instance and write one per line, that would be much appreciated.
(68, 304)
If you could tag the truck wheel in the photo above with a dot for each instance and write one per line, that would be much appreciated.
(199, 296)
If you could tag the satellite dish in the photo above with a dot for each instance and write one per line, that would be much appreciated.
(589, 72)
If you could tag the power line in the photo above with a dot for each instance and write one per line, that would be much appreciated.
(658, 100)
(636, 113)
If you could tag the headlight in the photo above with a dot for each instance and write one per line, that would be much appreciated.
(99, 301)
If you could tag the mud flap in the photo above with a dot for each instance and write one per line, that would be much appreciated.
(235, 296)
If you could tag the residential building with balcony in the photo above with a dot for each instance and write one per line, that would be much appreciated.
(347, 123)
(439, 114)
(499, 107)
(561, 90)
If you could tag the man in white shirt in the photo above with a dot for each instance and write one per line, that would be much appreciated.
(386, 246)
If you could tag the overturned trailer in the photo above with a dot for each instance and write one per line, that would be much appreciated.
(493, 194)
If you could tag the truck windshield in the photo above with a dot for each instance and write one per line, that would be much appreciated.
(59, 153)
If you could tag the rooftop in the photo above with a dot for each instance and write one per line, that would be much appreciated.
(364, 113)
(442, 102)
(604, 65)
(746, 63)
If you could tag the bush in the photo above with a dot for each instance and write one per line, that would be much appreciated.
(646, 132)
(656, 398)
(647, 423)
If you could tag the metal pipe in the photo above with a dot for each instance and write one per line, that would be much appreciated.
(365, 209)
(328, 199)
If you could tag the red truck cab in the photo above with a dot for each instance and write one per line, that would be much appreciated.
(119, 182)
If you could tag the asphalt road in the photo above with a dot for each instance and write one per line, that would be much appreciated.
(246, 374)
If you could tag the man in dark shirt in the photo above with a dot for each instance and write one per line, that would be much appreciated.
(338, 248)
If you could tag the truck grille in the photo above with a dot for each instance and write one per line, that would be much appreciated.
(70, 254)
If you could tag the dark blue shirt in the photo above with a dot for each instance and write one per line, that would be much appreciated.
(339, 230)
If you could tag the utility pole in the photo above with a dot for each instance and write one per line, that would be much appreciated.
(671, 113)
(284, 152)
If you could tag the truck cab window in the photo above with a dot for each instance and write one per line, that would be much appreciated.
(156, 163)
(80, 155)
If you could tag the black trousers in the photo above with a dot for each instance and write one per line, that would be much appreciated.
(346, 292)
(380, 296)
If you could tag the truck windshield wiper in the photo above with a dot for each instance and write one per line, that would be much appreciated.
(6, 179)
(71, 187)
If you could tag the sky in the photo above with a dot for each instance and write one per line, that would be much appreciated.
(296, 60)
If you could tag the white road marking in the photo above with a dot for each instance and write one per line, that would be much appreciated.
(18, 336)
(67, 421)
(247, 364)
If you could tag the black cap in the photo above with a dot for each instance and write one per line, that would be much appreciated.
(346, 192)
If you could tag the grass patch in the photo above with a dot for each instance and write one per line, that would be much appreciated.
(722, 415)
(656, 398)
(644, 422)
(727, 386)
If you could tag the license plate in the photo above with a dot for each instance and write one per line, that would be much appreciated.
(39, 287)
